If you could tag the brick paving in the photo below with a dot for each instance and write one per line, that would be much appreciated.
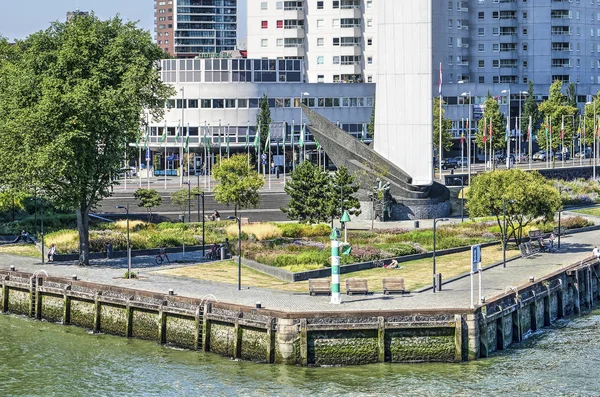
(455, 294)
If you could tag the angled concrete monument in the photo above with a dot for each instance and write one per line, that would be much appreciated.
(402, 155)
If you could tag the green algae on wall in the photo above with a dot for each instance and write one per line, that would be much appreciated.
(113, 320)
(82, 314)
(181, 331)
(19, 301)
(342, 347)
(222, 337)
(52, 308)
(420, 345)
(254, 345)
(492, 336)
(144, 325)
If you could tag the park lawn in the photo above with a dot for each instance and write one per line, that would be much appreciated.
(594, 211)
(417, 274)
(20, 250)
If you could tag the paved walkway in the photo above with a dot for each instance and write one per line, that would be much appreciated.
(455, 294)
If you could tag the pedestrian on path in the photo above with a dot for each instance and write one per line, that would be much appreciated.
(51, 253)
(596, 253)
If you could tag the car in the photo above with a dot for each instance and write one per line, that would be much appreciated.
(542, 155)
(562, 156)
(586, 154)
(462, 161)
(449, 163)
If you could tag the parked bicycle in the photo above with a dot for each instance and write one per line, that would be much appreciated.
(161, 256)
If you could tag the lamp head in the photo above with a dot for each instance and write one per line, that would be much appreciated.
(505, 91)
(119, 207)
(305, 93)
(466, 94)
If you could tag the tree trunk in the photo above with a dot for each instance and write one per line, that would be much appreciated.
(83, 228)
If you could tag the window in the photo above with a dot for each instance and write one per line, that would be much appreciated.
(336, 60)
(481, 63)
(481, 47)
(320, 23)
(263, 5)
(336, 23)
(319, 5)
(279, 5)
(320, 60)
(320, 42)
(320, 78)
(264, 43)
(279, 42)
(336, 41)
(370, 60)
(481, 32)
(279, 24)
(369, 23)
(481, 15)
(369, 41)
(264, 24)
(450, 41)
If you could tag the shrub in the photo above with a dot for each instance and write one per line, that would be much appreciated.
(296, 230)
(261, 231)
(401, 250)
(126, 275)
(575, 222)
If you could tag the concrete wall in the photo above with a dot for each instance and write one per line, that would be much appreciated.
(403, 119)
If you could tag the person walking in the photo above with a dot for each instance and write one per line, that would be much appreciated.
(596, 253)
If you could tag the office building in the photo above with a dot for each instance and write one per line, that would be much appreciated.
(186, 28)
(334, 38)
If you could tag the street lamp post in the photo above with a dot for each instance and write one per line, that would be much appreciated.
(126, 208)
(521, 93)
(468, 94)
(462, 199)
(435, 221)
(594, 151)
(504, 231)
(239, 222)
(42, 226)
(302, 95)
(189, 200)
(199, 195)
(508, 130)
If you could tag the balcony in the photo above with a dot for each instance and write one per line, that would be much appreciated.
(348, 31)
(354, 12)
(351, 50)
(294, 14)
(354, 68)
(294, 33)
(291, 51)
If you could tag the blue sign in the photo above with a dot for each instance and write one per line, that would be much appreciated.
(263, 156)
(147, 153)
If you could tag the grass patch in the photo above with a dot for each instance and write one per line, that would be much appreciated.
(594, 211)
(21, 250)
(416, 274)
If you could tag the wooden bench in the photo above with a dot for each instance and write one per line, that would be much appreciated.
(561, 232)
(530, 249)
(319, 286)
(357, 286)
(535, 234)
(393, 285)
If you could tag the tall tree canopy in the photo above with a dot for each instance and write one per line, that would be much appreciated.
(71, 98)
(446, 126)
(238, 182)
(263, 120)
(530, 109)
(493, 117)
(553, 111)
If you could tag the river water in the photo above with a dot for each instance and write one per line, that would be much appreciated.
(42, 359)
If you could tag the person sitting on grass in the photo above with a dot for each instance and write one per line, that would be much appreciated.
(215, 216)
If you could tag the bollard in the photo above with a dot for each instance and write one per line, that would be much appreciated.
(74, 277)
(258, 305)
(416, 224)
(12, 268)
(171, 292)
(438, 281)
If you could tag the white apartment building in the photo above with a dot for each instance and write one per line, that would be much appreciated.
(335, 38)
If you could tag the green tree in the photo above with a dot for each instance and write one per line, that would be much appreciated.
(181, 197)
(553, 111)
(263, 119)
(530, 109)
(149, 198)
(590, 117)
(238, 182)
(446, 126)
(371, 125)
(572, 95)
(528, 196)
(309, 189)
(71, 98)
(343, 187)
(492, 115)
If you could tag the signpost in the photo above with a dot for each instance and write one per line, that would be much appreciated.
(475, 268)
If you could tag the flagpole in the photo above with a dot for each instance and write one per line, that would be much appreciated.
(258, 158)
(269, 149)
(220, 146)
(492, 159)
(484, 139)
(284, 145)
(209, 151)
(304, 146)
(562, 141)
(292, 145)
(187, 147)
(126, 165)
(248, 141)
(462, 146)
(147, 155)
(205, 157)
(440, 132)
(529, 132)
(228, 141)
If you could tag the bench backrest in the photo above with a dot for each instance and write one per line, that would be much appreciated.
(357, 283)
(319, 283)
(393, 283)
(535, 233)
(560, 231)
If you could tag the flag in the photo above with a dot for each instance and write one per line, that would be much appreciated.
(484, 131)
(440, 83)
(284, 134)
(164, 136)
(137, 142)
(247, 136)
(145, 142)
(187, 143)
(256, 142)
(529, 129)
(462, 131)
(364, 132)
(562, 129)
(318, 145)
(227, 140)
(550, 128)
(206, 138)
(579, 128)
(302, 132)
(507, 129)
(547, 129)
(491, 128)
(177, 131)
(267, 141)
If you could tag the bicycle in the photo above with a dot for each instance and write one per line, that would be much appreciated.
(159, 257)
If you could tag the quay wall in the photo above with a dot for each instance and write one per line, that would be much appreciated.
(307, 339)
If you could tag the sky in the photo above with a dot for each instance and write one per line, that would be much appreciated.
(25, 17)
